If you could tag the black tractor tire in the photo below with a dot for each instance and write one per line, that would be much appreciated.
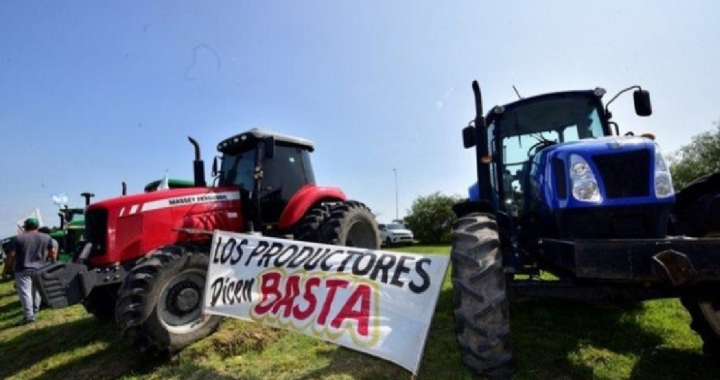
(482, 310)
(101, 302)
(705, 321)
(702, 219)
(351, 224)
(308, 228)
(160, 302)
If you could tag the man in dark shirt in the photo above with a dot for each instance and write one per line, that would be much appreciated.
(29, 251)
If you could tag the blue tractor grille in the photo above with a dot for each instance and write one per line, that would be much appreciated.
(96, 230)
(625, 174)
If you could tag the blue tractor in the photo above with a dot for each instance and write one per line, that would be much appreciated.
(560, 191)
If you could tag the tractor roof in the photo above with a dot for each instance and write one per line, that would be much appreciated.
(546, 111)
(549, 96)
(256, 134)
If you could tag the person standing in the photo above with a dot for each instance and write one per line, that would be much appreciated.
(55, 244)
(30, 250)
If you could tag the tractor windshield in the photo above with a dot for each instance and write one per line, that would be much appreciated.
(530, 125)
(287, 172)
(238, 169)
(76, 215)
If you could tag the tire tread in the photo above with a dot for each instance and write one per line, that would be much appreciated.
(480, 298)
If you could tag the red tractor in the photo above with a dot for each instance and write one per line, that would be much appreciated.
(146, 255)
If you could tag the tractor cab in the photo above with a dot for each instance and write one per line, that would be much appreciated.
(269, 169)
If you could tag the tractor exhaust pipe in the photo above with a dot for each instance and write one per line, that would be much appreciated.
(198, 165)
(87, 197)
(482, 153)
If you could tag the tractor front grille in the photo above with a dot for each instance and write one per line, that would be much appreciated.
(96, 230)
(560, 178)
(625, 174)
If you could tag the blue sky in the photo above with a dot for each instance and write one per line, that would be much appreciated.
(96, 93)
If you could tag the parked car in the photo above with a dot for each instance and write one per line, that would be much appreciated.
(395, 233)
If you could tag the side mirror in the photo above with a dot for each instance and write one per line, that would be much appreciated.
(214, 167)
(269, 146)
(643, 107)
(468, 134)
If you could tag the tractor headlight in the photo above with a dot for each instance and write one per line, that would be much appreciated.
(579, 169)
(663, 180)
(584, 184)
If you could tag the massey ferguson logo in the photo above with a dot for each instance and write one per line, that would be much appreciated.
(198, 199)
(179, 201)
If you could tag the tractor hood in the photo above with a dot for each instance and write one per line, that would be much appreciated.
(601, 145)
(165, 198)
(611, 187)
(76, 225)
(625, 169)
(128, 227)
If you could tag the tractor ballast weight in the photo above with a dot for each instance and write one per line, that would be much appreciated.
(558, 192)
(146, 255)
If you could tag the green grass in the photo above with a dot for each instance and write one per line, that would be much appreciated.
(553, 340)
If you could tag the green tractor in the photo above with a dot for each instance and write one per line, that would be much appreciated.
(72, 229)
(172, 183)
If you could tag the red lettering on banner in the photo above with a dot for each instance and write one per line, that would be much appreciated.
(362, 293)
(292, 290)
(269, 287)
(311, 283)
(332, 285)
(330, 305)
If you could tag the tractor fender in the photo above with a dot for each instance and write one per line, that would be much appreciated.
(697, 188)
(469, 206)
(305, 198)
(695, 203)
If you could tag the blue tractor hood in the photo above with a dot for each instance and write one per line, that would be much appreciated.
(602, 145)
(618, 163)
(624, 168)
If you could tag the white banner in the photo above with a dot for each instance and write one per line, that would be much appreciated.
(377, 302)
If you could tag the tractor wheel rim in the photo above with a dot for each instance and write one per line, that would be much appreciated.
(361, 235)
(179, 307)
(187, 299)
